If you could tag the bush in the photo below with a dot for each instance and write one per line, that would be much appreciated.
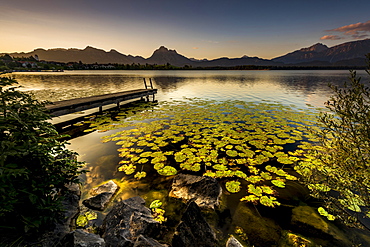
(338, 171)
(34, 165)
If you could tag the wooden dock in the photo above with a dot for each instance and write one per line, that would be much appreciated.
(64, 107)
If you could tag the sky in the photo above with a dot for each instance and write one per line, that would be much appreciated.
(194, 28)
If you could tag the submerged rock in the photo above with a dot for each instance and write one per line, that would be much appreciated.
(80, 238)
(102, 196)
(205, 190)
(127, 221)
(193, 230)
(307, 221)
(289, 239)
(261, 231)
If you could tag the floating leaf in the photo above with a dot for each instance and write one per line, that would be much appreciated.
(254, 179)
(278, 183)
(167, 171)
(233, 186)
(285, 160)
(232, 153)
(256, 190)
(180, 157)
(269, 201)
(266, 175)
(142, 161)
(220, 167)
(250, 198)
(267, 190)
(82, 221)
(91, 215)
(323, 212)
(140, 175)
(155, 204)
(128, 169)
(146, 154)
(158, 166)
(319, 187)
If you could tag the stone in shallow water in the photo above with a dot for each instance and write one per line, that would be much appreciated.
(261, 231)
(98, 202)
(128, 220)
(110, 187)
(80, 238)
(193, 230)
(102, 195)
(307, 221)
(205, 190)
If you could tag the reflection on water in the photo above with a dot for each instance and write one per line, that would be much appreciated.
(287, 87)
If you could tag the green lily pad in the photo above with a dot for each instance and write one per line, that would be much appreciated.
(278, 183)
(155, 204)
(167, 171)
(233, 186)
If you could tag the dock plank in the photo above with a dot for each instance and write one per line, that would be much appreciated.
(64, 107)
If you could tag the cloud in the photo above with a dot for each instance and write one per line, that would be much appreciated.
(195, 48)
(357, 31)
(331, 37)
(211, 41)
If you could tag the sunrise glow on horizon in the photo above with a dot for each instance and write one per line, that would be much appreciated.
(195, 29)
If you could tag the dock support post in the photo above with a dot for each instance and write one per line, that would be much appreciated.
(100, 109)
(146, 86)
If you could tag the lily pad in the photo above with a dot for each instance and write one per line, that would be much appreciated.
(233, 186)
(167, 171)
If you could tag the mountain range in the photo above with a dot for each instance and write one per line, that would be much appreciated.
(345, 54)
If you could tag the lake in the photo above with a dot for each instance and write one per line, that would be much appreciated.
(298, 89)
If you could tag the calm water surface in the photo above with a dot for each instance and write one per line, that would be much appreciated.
(288, 87)
(295, 88)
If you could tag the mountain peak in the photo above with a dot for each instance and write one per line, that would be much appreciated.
(165, 49)
(318, 47)
(162, 48)
(89, 48)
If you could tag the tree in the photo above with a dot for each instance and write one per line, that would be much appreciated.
(34, 165)
(338, 170)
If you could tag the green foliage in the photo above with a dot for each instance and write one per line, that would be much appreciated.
(34, 165)
(221, 139)
(340, 165)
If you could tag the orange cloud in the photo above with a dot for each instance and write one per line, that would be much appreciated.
(331, 37)
(357, 31)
